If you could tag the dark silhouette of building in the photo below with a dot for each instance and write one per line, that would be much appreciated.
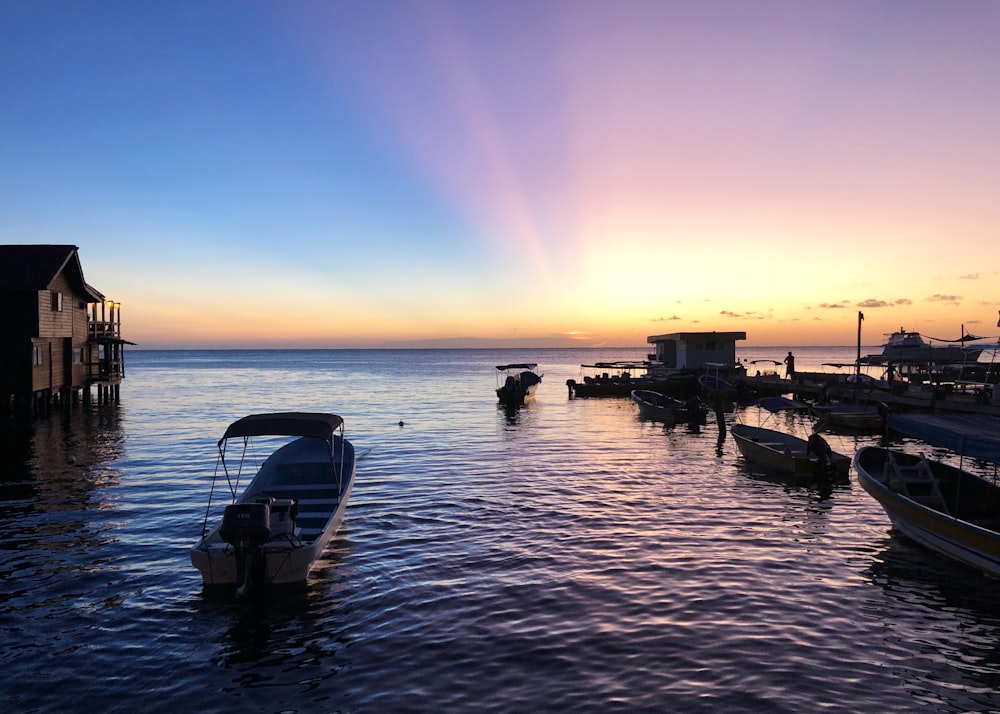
(59, 337)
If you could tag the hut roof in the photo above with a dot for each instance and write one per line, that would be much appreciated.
(34, 267)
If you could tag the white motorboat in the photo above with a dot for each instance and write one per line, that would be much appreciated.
(906, 347)
(278, 527)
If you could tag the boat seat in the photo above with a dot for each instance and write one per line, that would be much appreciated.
(913, 479)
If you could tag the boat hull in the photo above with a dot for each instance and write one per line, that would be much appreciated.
(860, 417)
(654, 406)
(516, 395)
(966, 531)
(783, 452)
(903, 356)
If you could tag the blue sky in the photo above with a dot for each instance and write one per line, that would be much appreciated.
(331, 174)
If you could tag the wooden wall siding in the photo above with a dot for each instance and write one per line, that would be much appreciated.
(81, 370)
(52, 323)
(41, 374)
(60, 334)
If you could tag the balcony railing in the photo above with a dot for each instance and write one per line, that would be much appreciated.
(98, 329)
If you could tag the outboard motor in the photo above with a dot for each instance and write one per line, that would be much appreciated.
(247, 526)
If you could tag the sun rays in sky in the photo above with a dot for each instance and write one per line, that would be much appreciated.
(564, 173)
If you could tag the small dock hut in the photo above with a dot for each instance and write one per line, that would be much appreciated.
(695, 350)
(60, 337)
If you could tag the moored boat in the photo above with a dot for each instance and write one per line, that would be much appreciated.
(655, 406)
(715, 388)
(274, 531)
(856, 417)
(788, 453)
(517, 382)
(944, 508)
(781, 451)
(907, 347)
(619, 379)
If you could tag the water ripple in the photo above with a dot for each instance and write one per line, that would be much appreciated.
(566, 556)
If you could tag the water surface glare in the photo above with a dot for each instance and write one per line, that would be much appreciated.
(566, 556)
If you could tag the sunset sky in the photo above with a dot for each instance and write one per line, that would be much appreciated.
(515, 173)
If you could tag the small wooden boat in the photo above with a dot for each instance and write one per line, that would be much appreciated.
(280, 525)
(946, 509)
(655, 406)
(785, 452)
(857, 417)
(517, 382)
(788, 453)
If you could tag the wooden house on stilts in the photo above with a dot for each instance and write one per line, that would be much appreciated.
(60, 336)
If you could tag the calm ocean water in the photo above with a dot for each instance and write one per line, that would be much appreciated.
(566, 557)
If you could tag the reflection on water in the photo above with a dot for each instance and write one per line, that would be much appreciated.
(565, 555)
(930, 599)
(289, 627)
(56, 491)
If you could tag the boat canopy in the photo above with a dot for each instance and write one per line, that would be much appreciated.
(967, 337)
(314, 424)
(974, 435)
(775, 404)
(524, 365)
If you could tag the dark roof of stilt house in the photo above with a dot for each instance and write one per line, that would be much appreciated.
(34, 267)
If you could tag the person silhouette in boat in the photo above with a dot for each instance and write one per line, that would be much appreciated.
(790, 365)
(817, 446)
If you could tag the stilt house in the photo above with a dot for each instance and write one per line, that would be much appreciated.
(60, 336)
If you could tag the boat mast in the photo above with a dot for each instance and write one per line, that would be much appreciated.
(857, 362)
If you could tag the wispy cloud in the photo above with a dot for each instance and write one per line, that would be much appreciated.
(742, 315)
(950, 299)
(872, 303)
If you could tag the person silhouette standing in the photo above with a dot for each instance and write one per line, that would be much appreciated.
(790, 365)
